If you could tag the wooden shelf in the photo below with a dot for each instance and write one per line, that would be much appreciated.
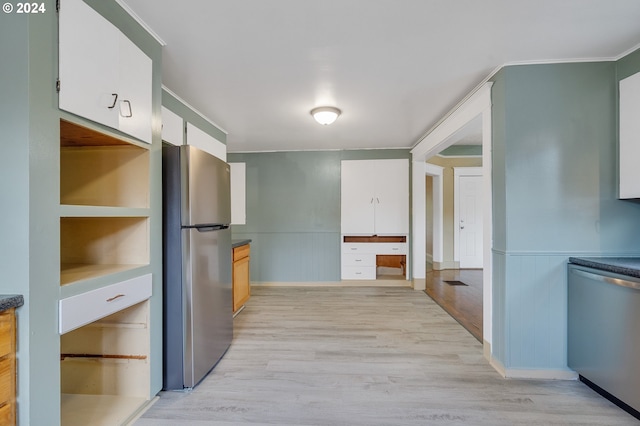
(96, 246)
(98, 410)
(74, 272)
(100, 170)
(104, 368)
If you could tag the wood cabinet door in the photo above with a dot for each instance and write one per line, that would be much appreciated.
(357, 196)
(88, 63)
(391, 179)
(241, 286)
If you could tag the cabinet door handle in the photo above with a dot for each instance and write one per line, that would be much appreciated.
(378, 200)
(130, 110)
(115, 99)
(371, 201)
(117, 296)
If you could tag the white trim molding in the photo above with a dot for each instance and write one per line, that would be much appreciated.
(477, 103)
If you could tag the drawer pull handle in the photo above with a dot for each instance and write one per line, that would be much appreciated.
(358, 260)
(117, 296)
(354, 248)
(358, 273)
(394, 248)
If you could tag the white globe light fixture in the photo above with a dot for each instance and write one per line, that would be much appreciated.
(325, 115)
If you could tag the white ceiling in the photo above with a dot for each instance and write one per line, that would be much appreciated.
(257, 67)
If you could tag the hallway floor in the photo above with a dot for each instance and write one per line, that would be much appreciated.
(464, 303)
(366, 356)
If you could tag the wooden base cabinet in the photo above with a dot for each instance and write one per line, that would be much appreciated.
(241, 284)
(7, 367)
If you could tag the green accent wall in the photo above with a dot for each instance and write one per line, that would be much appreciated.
(293, 212)
(29, 187)
(555, 188)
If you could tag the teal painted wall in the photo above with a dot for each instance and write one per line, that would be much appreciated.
(29, 188)
(555, 188)
(293, 212)
(175, 105)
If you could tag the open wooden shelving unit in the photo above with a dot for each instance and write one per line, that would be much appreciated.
(104, 230)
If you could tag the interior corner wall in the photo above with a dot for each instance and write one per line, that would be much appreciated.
(555, 189)
(293, 212)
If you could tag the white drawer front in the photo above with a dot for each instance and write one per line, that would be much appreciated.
(375, 248)
(392, 248)
(85, 308)
(350, 259)
(358, 273)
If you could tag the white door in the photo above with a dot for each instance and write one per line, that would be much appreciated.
(470, 221)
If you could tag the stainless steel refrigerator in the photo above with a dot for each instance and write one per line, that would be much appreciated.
(198, 318)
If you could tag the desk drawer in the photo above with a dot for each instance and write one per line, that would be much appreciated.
(375, 248)
(88, 307)
(350, 259)
(359, 272)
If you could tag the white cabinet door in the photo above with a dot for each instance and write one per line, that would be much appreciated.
(357, 196)
(629, 137)
(88, 63)
(135, 76)
(375, 197)
(392, 196)
(172, 127)
(104, 76)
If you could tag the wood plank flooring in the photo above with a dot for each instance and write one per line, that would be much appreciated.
(366, 356)
(463, 303)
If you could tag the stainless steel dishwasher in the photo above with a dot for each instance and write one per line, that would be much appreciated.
(604, 333)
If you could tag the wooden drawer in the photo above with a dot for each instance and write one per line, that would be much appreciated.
(364, 259)
(7, 416)
(359, 272)
(88, 307)
(7, 379)
(241, 252)
(6, 332)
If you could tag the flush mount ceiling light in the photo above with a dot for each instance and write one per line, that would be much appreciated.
(325, 115)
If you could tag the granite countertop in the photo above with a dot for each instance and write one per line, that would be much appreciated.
(8, 301)
(629, 266)
(238, 243)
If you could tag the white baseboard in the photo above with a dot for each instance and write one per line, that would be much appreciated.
(525, 373)
(343, 283)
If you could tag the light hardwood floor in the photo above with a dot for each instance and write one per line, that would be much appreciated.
(366, 356)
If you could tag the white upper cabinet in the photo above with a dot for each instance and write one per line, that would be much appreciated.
(375, 197)
(172, 127)
(104, 76)
(630, 137)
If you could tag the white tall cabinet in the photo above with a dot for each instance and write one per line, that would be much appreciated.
(374, 214)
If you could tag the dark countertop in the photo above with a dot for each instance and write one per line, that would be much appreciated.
(8, 301)
(629, 266)
(238, 243)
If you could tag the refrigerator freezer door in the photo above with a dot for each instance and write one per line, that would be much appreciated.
(207, 191)
(209, 317)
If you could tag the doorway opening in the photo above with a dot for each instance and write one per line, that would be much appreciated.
(473, 113)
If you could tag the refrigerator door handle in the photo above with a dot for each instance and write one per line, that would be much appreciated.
(211, 228)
